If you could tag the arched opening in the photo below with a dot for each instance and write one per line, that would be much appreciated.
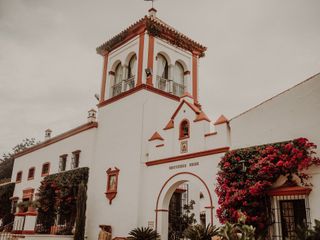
(178, 87)
(132, 66)
(179, 191)
(184, 131)
(117, 82)
(162, 72)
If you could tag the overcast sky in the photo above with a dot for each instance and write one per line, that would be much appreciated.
(49, 69)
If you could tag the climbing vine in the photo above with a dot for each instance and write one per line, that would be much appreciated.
(246, 174)
(58, 195)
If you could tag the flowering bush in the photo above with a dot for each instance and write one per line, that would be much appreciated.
(57, 195)
(246, 174)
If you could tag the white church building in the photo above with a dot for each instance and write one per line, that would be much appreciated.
(150, 138)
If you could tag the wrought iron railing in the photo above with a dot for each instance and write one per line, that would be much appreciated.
(177, 89)
(116, 89)
(129, 83)
(162, 83)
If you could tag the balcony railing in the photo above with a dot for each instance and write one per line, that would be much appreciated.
(178, 89)
(129, 83)
(116, 89)
(162, 83)
(170, 86)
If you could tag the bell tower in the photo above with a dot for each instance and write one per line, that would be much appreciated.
(149, 54)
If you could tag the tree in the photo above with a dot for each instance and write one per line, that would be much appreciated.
(81, 212)
(6, 164)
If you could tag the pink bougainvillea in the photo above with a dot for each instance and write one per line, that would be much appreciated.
(246, 174)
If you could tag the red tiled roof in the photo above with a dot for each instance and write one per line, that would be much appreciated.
(155, 27)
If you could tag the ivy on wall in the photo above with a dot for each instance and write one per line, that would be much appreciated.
(58, 195)
(6, 192)
(246, 174)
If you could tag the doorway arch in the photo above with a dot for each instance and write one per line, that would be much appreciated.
(166, 192)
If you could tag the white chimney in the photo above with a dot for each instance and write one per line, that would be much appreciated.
(92, 115)
(47, 134)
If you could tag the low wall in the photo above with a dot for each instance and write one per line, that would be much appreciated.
(47, 237)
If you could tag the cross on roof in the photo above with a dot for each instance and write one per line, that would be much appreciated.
(150, 1)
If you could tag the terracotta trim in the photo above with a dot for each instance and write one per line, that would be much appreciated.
(288, 191)
(181, 173)
(137, 89)
(58, 138)
(169, 125)
(210, 134)
(31, 213)
(104, 78)
(186, 72)
(209, 207)
(193, 107)
(150, 59)
(155, 27)
(187, 156)
(160, 145)
(156, 136)
(152, 9)
(195, 77)
(112, 193)
(28, 232)
(162, 210)
(140, 59)
(45, 174)
(202, 117)
(181, 136)
(222, 119)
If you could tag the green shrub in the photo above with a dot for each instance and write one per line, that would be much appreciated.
(143, 234)
(200, 232)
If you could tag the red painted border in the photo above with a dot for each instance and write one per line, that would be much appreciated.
(195, 77)
(104, 77)
(210, 134)
(137, 89)
(111, 194)
(150, 58)
(288, 191)
(187, 156)
(58, 138)
(166, 182)
(140, 59)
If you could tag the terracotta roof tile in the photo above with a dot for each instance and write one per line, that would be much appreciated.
(156, 136)
(222, 119)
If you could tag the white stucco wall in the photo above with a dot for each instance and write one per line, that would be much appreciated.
(289, 115)
(83, 141)
(124, 129)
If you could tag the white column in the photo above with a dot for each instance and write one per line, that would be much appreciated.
(125, 77)
(171, 78)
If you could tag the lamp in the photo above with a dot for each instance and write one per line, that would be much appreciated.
(148, 71)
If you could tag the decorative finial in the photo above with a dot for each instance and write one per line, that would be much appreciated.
(150, 1)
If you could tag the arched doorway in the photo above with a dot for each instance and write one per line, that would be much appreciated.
(167, 191)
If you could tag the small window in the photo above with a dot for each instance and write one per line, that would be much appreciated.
(31, 173)
(19, 177)
(14, 206)
(45, 169)
(163, 68)
(63, 162)
(132, 66)
(75, 159)
(184, 129)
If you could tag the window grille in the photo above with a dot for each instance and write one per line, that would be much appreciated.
(288, 212)
(75, 159)
(63, 163)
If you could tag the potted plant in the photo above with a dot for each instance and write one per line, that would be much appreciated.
(23, 206)
(33, 205)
